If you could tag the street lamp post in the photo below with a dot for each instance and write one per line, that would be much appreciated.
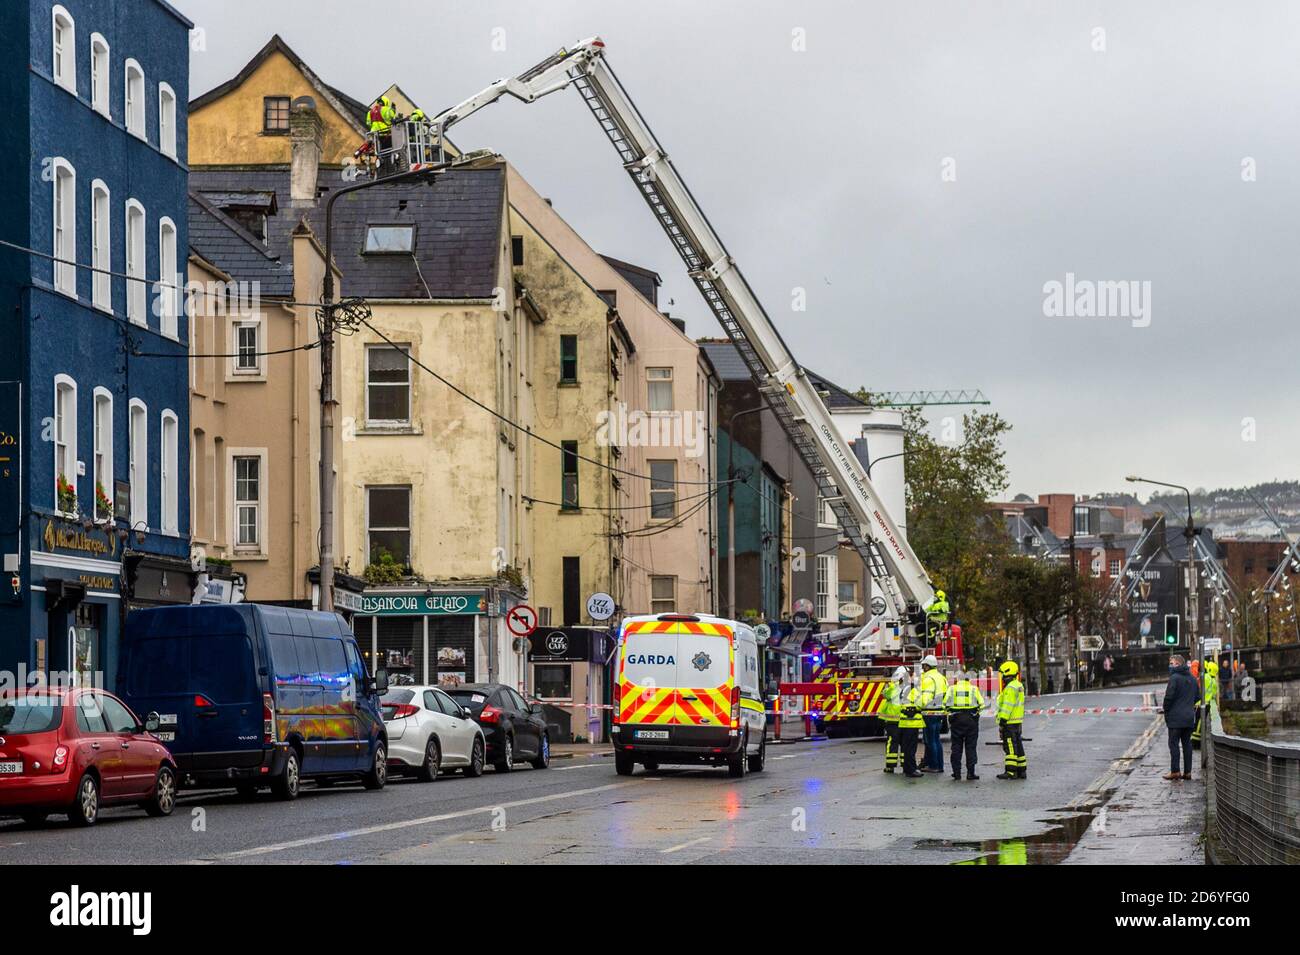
(1190, 533)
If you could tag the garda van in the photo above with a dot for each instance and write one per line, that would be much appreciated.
(253, 695)
(687, 692)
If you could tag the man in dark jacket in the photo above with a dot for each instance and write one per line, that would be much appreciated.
(1182, 697)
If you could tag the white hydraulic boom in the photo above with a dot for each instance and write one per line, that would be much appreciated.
(863, 517)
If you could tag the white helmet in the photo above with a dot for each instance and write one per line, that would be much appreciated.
(929, 661)
(900, 674)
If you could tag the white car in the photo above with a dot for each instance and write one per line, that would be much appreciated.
(428, 731)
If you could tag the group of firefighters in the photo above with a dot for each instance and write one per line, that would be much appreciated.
(913, 710)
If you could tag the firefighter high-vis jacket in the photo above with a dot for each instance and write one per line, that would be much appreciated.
(934, 687)
(910, 717)
(889, 708)
(963, 697)
(1011, 702)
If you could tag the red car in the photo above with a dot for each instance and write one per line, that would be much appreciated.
(74, 751)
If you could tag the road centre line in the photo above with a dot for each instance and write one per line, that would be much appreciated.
(408, 823)
(684, 845)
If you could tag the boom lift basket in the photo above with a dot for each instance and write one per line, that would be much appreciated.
(406, 146)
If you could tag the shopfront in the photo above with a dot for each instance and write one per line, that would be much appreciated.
(569, 675)
(422, 636)
(75, 605)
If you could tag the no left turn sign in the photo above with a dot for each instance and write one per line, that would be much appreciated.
(521, 620)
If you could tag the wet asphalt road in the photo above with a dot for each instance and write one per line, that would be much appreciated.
(822, 802)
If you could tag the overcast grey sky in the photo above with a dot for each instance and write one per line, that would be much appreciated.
(823, 168)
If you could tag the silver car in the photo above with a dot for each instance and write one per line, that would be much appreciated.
(428, 732)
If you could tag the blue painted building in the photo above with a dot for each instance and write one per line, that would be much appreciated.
(94, 379)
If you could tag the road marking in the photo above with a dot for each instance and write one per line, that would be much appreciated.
(565, 769)
(408, 823)
(685, 845)
(791, 756)
(1103, 782)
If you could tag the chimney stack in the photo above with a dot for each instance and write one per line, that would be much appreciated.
(305, 135)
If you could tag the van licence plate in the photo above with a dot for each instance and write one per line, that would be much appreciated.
(11, 768)
(651, 734)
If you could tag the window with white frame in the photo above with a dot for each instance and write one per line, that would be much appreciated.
(825, 513)
(248, 482)
(99, 67)
(388, 384)
(659, 389)
(1082, 521)
(133, 113)
(663, 489)
(169, 499)
(1114, 566)
(65, 444)
(103, 437)
(101, 279)
(663, 594)
(135, 281)
(63, 64)
(166, 120)
(827, 587)
(247, 350)
(167, 277)
(139, 472)
(65, 226)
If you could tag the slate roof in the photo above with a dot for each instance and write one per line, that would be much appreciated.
(247, 200)
(230, 247)
(726, 360)
(457, 219)
(731, 367)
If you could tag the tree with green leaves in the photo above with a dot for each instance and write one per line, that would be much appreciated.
(949, 485)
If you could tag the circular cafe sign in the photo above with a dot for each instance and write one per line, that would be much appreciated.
(557, 643)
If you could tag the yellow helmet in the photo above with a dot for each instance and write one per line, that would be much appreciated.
(941, 595)
(1211, 668)
(1010, 668)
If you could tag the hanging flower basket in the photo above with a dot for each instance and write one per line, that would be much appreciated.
(103, 506)
(67, 495)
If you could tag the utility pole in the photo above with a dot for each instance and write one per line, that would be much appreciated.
(731, 506)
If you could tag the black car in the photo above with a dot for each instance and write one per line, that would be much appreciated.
(515, 730)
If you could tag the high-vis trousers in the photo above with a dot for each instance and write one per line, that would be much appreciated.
(893, 753)
(1013, 749)
(907, 740)
(965, 729)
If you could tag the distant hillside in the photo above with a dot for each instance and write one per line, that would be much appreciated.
(1231, 512)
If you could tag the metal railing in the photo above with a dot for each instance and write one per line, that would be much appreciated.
(1252, 799)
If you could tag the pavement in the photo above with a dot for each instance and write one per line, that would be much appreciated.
(824, 801)
(1147, 820)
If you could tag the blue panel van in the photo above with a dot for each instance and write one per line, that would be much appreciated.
(254, 695)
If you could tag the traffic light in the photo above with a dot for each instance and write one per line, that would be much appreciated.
(1171, 629)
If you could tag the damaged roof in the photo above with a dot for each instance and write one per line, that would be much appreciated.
(457, 222)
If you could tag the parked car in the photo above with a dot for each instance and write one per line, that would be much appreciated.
(255, 695)
(74, 751)
(429, 731)
(515, 730)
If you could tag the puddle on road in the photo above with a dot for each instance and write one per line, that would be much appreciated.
(1044, 848)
